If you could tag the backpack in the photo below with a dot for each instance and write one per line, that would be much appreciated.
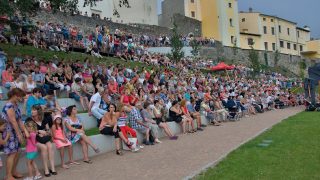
(311, 107)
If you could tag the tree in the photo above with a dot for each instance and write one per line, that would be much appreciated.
(276, 58)
(30, 7)
(254, 61)
(176, 44)
(195, 47)
(302, 67)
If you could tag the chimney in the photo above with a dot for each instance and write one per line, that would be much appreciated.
(307, 28)
(250, 9)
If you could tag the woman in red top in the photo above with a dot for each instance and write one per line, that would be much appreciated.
(113, 87)
(133, 97)
(7, 76)
(124, 99)
(187, 116)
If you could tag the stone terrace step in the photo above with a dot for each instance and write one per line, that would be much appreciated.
(105, 143)
(88, 122)
(63, 102)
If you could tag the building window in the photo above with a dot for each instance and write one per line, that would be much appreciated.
(232, 39)
(295, 47)
(230, 5)
(281, 44)
(250, 42)
(298, 32)
(193, 14)
(231, 22)
(264, 19)
(265, 29)
(192, 1)
(271, 20)
(301, 48)
(273, 46)
(266, 46)
(243, 19)
(279, 29)
(288, 31)
(272, 31)
(288, 45)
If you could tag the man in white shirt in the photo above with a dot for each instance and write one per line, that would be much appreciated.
(94, 106)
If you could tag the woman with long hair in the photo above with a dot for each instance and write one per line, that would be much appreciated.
(75, 133)
(44, 139)
(15, 127)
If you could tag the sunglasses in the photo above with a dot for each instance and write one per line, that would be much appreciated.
(36, 106)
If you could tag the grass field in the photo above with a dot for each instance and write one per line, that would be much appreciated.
(290, 150)
(12, 50)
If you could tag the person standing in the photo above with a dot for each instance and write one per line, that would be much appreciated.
(15, 127)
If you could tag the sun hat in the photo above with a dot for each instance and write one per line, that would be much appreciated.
(57, 116)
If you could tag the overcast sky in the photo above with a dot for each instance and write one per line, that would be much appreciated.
(303, 12)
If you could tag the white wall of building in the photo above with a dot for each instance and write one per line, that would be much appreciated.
(141, 11)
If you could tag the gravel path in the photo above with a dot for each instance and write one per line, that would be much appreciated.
(177, 159)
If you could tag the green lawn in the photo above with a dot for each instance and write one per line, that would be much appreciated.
(293, 153)
(92, 132)
(12, 50)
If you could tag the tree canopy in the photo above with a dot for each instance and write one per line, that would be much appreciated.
(30, 7)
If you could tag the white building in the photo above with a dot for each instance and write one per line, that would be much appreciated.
(141, 11)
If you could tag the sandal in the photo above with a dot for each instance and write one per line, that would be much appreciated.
(17, 176)
(88, 161)
(129, 144)
(97, 150)
(47, 175)
(37, 177)
(119, 153)
(74, 163)
(53, 173)
(65, 167)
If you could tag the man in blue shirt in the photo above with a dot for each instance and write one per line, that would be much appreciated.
(34, 99)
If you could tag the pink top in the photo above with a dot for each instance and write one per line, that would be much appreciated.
(43, 69)
(31, 143)
(6, 77)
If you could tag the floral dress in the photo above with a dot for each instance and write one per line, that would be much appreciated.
(13, 145)
(73, 137)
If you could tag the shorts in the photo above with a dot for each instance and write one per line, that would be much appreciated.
(32, 155)
(142, 130)
(158, 120)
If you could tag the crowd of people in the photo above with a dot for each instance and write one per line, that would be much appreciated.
(98, 41)
(124, 102)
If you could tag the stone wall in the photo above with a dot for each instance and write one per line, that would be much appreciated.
(241, 56)
(188, 25)
(87, 24)
(169, 8)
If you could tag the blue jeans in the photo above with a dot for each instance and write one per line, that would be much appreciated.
(74, 96)
(98, 113)
(7, 85)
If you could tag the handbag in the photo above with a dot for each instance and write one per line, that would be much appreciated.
(43, 139)
(76, 126)
(134, 145)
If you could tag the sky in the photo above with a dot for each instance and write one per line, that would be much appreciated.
(303, 12)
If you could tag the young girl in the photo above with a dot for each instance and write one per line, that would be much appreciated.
(6, 138)
(60, 140)
(31, 149)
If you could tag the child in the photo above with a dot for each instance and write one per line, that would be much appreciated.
(125, 129)
(60, 140)
(31, 149)
(5, 140)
